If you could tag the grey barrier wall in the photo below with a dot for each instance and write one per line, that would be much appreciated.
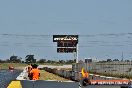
(74, 75)
(63, 73)
(112, 70)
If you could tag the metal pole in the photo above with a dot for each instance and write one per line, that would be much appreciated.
(77, 54)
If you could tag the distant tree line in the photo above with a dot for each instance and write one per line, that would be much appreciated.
(31, 59)
(110, 60)
(56, 62)
(13, 59)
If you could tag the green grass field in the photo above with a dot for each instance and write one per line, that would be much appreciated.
(15, 65)
(21, 65)
(50, 76)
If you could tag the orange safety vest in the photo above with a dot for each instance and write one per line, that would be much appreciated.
(85, 74)
(35, 74)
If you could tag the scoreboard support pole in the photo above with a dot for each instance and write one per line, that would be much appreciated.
(76, 54)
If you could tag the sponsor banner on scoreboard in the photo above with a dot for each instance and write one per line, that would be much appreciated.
(65, 38)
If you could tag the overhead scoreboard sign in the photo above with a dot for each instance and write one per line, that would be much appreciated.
(66, 50)
(65, 38)
(66, 43)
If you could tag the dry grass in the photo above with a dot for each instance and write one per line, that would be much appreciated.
(15, 65)
(50, 76)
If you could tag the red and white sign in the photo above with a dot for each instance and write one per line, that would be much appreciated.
(109, 82)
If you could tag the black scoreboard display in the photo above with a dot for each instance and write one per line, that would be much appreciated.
(66, 43)
(66, 50)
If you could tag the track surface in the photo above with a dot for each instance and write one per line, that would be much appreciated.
(6, 76)
(55, 84)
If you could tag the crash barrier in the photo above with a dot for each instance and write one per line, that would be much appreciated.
(75, 73)
(58, 84)
(63, 73)
(48, 84)
(76, 76)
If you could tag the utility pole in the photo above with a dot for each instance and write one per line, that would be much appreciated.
(77, 54)
(122, 56)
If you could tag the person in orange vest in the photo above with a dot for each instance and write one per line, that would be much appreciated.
(85, 75)
(11, 67)
(29, 68)
(35, 72)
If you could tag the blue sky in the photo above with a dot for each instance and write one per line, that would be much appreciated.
(104, 26)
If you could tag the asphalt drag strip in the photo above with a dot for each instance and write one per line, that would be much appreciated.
(6, 76)
(56, 84)
(48, 84)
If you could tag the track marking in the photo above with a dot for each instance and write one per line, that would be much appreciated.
(15, 84)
